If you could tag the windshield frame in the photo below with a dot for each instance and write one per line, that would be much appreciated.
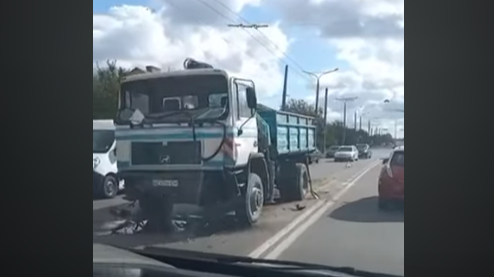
(183, 114)
(345, 149)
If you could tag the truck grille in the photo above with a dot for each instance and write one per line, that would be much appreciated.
(156, 153)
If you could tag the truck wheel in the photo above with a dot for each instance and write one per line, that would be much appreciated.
(295, 183)
(109, 187)
(250, 207)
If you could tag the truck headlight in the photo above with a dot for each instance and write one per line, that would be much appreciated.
(96, 162)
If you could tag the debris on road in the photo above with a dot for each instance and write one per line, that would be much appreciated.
(298, 207)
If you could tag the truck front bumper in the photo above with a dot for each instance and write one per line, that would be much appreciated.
(183, 186)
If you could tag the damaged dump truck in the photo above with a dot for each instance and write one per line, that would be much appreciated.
(198, 136)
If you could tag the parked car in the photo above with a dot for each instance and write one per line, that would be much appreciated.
(364, 151)
(346, 153)
(315, 157)
(392, 180)
(105, 181)
(331, 150)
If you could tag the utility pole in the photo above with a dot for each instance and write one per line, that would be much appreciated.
(345, 101)
(355, 120)
(283, 100)
(248, 26)
(360, 123)
(325, 120)
(318, 78)
(369, 129)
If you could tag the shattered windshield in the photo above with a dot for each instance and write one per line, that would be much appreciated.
(204, 96)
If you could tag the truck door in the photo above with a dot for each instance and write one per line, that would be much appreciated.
(246, 143)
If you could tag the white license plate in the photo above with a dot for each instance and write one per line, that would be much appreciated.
(165, 183)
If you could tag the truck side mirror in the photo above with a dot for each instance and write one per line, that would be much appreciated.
(251, 98)
(385, 160)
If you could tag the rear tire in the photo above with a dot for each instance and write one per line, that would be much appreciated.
(249, 209)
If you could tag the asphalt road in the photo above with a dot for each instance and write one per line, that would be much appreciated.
(225, 237)
(355, 233)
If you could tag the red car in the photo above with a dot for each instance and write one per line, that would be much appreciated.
(392, 180)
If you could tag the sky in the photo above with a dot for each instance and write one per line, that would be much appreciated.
(364, 39)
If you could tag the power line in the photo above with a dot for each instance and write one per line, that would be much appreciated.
(248, 26)
(195, 19)
(255, 27)
(203, 23)
(231, 20)
(262, 34)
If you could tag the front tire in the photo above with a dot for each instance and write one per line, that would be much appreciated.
(250, 207)
(109, 187)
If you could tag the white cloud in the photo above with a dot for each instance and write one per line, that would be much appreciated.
(368, 36)
(139, 36)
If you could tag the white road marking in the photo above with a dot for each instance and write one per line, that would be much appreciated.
(283, 232)
(296, 228)
(344, 184)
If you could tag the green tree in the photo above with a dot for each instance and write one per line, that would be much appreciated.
(106, 84)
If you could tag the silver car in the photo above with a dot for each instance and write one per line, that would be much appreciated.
(346, 153)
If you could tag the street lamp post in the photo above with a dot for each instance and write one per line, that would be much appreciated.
(387, 101)
(345, 101)
(362, 113)
(318, 78)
